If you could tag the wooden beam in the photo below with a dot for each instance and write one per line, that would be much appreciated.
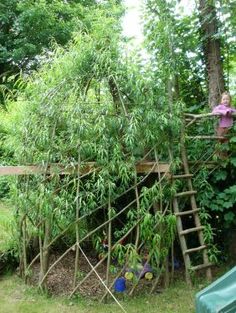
(145, 167)
(21, 170)
(141, 167)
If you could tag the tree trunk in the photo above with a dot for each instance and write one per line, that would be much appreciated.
(45, 251)
(211, 50)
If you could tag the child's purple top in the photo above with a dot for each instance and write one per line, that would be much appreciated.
(226, 119)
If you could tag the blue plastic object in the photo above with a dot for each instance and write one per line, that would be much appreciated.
(220, 296)
(120, 285)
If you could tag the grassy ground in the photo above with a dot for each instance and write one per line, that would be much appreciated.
(16, 297)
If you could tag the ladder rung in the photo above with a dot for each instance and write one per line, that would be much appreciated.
(187, 212)
(186, 193)
(200, 267)
(190, 230)
(182, 176)
(195, 249)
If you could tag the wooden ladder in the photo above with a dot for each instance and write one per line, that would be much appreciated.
(197, 230)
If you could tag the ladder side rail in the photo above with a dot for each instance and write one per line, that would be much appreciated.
(182, 240)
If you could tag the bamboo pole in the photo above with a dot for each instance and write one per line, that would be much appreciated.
(109, 237)
(23, 235)
(24, 241)
(167, 276)
(159, 179)
(46, 225)
(77, 217)
(102, 281)
(138, 213)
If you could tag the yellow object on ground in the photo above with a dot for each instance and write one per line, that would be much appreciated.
(129, 275)
(148, 276)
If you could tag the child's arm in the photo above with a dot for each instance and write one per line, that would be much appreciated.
(221, 110)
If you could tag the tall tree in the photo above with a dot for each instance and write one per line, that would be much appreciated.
(172, 42)
(29, 27)
(212, 50)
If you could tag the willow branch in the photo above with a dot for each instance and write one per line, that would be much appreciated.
(103, 259)
(90, 213)
(199, 116)
(102, 281)
(90, 233)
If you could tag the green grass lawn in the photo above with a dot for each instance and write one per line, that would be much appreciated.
(16, 297)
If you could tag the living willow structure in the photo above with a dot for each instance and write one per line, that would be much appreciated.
(92, 123)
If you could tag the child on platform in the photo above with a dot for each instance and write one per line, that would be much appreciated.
(226, 120)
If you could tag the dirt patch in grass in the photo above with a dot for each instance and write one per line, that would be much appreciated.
(60, 278)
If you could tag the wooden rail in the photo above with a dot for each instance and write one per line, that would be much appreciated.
(141, 167)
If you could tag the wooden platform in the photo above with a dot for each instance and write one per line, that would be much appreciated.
(141, 167)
